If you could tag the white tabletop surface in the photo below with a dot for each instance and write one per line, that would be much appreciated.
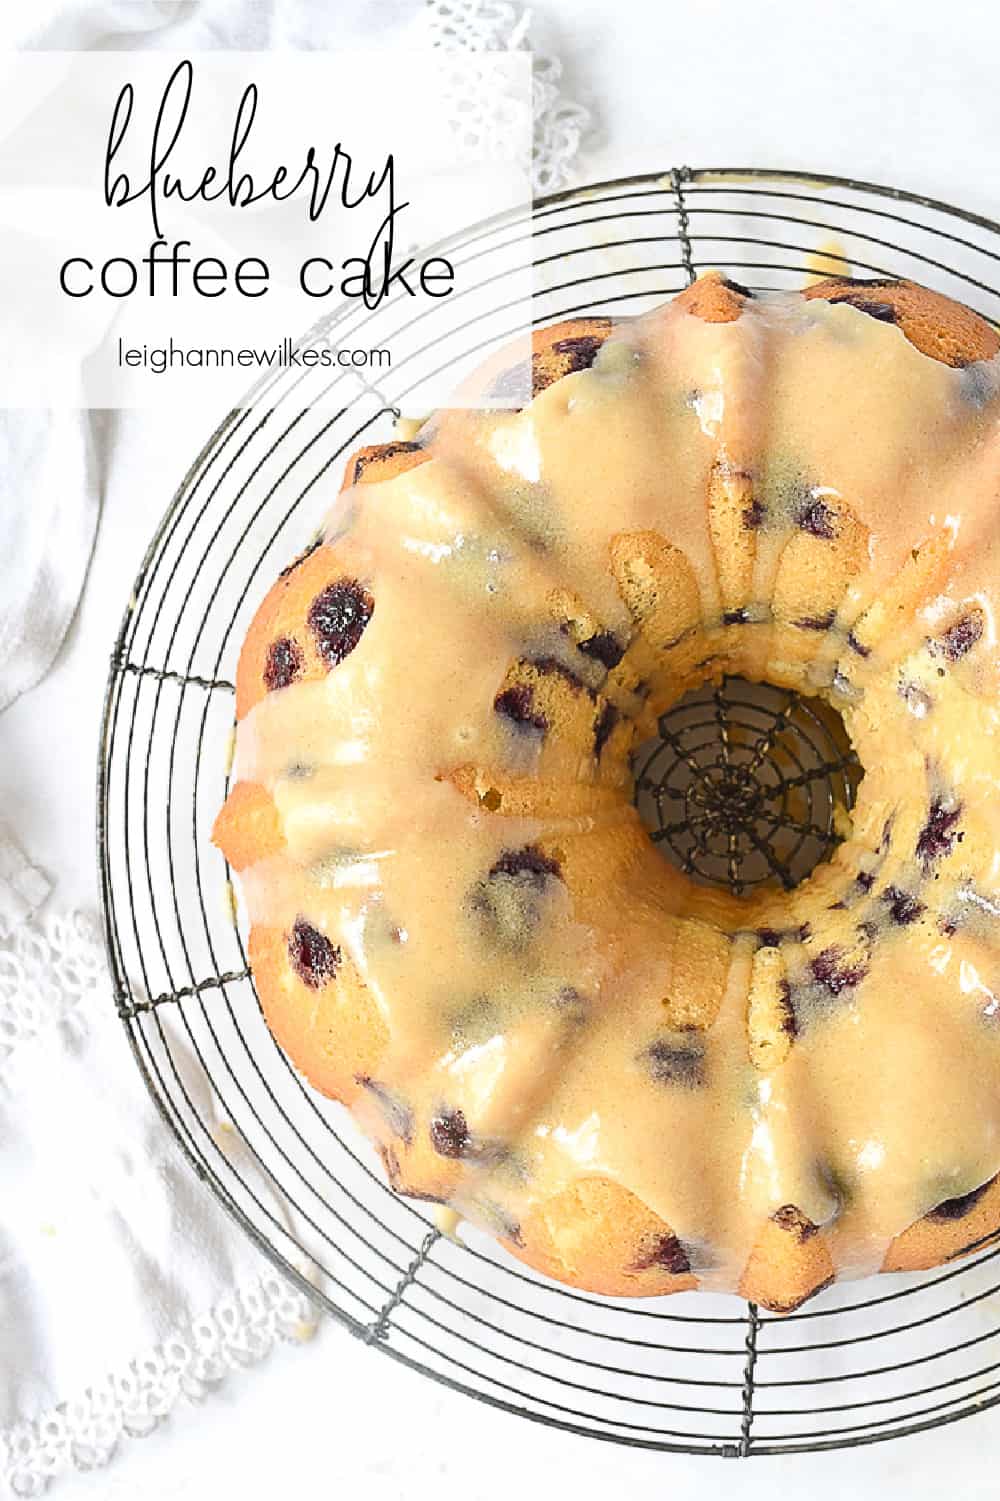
(903, 92)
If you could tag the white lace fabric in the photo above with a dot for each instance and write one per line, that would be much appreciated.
(46, 971)
(125, 1290)
(123, 1287)
(238, 1332)
(22, 890)
(560, 123)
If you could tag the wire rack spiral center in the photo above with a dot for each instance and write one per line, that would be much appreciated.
(746, 784)
(698, 1372)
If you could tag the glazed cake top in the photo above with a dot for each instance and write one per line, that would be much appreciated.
(797, 494)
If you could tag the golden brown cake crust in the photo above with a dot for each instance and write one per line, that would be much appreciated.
(957, 1227)
(563, 348)
(714, 298)
(937, 326)
(789, 1263)
(597, 1235)
(382, 461)
(330, 1025)
(283, 646)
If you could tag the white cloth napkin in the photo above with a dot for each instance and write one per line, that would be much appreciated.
(48, 518)
(123, 1286)
(22, 887)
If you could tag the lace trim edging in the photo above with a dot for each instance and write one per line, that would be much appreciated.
(50, 967)
(242, 1329)
(561, 123)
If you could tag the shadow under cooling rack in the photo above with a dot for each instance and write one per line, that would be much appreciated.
(697, 1372)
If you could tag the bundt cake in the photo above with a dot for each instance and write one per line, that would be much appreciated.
(459, 925)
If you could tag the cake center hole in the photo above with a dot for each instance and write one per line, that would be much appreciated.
(747, 784)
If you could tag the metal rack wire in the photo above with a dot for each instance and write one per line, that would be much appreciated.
(696, 1373)
(743, 784)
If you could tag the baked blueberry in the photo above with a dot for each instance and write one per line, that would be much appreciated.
(582, 350)
(754, 515)
(314, 958)
(814, 516)
(450, 1135)
(958, 1208)
(284, 663)
(959, 638)
(939, 832)
(884, 312)
(904, 908)
(789, 1218)
(677, 1061)
(817, 622)
(789, 1018)
(604, 648)
(527, 863)
(571, 1005)
(338, 617)
(833, 969)
(511, 899)
(771, 938)
(605, 723)
(663, 1251)
(518, 705)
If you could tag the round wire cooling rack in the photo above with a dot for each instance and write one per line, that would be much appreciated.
(697, 1372)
